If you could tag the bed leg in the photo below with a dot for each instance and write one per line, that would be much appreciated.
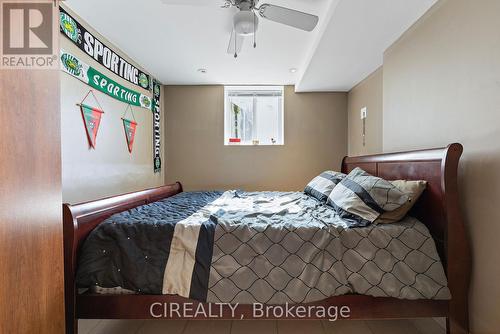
(70, 309)
(71, 320)
(71, 326)
(457, 321)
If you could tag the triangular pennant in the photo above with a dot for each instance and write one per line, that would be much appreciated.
(91, 118)
(129, 127)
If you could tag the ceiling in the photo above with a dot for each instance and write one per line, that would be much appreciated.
(354, 40)
(173, 41)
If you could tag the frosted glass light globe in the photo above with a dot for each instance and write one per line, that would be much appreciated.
(243, 22)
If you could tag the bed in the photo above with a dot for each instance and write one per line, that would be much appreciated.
(402, 270)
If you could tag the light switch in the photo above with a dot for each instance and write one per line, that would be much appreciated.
(363, 113)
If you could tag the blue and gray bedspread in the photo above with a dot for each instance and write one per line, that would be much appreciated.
(265, 247)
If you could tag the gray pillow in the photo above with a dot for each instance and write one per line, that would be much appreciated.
(321, 186)
(360, 198)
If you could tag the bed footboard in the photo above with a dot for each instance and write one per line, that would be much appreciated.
(80, 219)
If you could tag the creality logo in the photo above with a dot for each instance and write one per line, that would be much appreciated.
(28, 35)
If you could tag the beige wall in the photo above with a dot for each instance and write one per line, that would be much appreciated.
(315, 140)
(109, 169)
(367, 93)
(441, 85)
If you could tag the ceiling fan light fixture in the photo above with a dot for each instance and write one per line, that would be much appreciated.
(245, 22)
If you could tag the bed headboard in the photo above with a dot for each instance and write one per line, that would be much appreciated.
(438, 208)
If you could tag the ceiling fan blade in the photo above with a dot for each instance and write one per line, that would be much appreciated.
(235, 47)
(289, 17)
(191, 2)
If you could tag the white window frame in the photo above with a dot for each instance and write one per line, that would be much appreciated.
(227, 113)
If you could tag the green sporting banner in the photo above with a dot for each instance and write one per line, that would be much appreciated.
(156, 126)
(101, 53)
(95, 79)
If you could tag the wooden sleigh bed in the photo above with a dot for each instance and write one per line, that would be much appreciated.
(438, 209)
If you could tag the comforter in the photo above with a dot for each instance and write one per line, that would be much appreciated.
(258, 247)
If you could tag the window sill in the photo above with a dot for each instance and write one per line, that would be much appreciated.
(250, 144)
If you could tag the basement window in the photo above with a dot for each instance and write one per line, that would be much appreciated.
(253, 115)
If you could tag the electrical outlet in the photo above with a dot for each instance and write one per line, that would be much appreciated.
(363, 113)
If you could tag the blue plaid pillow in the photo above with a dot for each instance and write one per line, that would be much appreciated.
(322, 185)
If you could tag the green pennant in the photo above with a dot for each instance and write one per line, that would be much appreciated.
(129, 127)
(91, 119)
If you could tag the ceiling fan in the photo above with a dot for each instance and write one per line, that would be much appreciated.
(246, 20)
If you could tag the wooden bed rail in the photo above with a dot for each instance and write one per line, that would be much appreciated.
(438, 208)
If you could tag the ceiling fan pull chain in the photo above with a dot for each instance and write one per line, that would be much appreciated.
(254, 33)
(235, 48)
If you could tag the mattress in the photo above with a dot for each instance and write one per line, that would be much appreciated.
(258, 247)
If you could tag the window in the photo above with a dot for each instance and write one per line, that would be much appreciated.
(253, 115)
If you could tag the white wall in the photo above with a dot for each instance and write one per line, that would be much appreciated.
(110, 169)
